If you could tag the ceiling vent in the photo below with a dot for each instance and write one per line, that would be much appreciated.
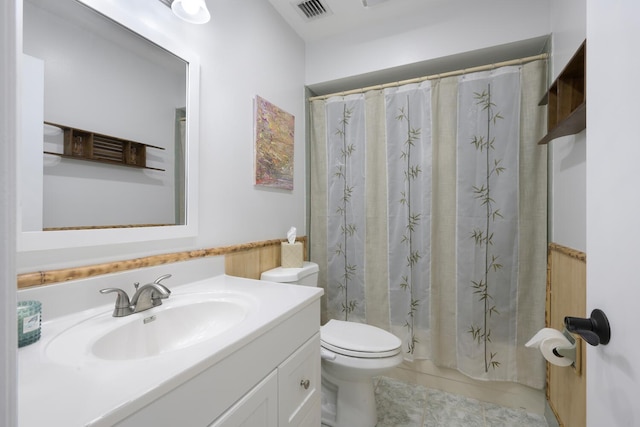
(312, 9)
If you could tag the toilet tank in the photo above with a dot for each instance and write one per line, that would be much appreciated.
(306, 275)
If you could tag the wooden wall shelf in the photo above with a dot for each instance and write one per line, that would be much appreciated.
(94, 147)
(567, 99)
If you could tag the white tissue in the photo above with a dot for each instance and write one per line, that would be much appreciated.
(548, 339)
(291, 235)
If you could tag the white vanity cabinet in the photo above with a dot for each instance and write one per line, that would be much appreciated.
(263, 370)
(299, 386)
(258, 408)
(288, 396)
(273, 380)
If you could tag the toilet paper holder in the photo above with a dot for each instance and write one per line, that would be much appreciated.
(568, 352)
(558, 347)
(594, 330)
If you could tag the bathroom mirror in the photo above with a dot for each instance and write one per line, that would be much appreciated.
(105, 78)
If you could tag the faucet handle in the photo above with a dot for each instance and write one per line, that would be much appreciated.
(122, 300)
(161, 278)
(164, 291)
(123, 306)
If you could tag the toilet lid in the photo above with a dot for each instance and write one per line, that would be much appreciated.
(358, 339)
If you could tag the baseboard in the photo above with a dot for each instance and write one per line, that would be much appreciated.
(552, 421)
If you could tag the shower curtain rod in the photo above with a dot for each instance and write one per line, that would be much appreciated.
(519, 61)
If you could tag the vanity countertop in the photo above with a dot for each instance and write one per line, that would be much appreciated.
(98, 392)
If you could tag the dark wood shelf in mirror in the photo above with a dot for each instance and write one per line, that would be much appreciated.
(95, 147)
(567, 99)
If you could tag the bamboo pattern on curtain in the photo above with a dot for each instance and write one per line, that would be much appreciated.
(457, 289)
(487, 212)
(408, 125)
(346, 210)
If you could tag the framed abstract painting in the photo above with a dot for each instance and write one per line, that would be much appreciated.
(274, 141)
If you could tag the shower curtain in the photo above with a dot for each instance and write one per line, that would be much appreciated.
(428, 217)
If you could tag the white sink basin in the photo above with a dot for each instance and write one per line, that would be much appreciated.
(180, 322)
(167, 330)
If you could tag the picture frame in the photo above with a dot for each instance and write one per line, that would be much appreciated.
(274, 146)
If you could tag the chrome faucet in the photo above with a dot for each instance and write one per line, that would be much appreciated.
(150, 295)
(145, 297)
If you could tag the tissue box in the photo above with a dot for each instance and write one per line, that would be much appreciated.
(291, 255)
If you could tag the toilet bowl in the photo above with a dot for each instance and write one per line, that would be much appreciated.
(352, 354)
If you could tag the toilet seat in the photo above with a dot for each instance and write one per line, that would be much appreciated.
(358, 340)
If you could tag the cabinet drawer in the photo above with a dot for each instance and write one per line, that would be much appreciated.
(299, 384)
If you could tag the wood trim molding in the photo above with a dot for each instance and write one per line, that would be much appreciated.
(573, 253)
(39, 278)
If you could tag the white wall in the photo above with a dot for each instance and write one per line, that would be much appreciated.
(245, 50)
(568, 191)
(31, 172)
(613, 204)
(567, 155)
(450, 28)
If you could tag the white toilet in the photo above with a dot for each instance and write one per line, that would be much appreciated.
(352, 354)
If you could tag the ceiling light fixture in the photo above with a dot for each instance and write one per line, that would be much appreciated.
(193, 11)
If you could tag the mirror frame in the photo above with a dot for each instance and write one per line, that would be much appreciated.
(47, 240)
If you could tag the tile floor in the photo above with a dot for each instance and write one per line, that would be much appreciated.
(406, 405)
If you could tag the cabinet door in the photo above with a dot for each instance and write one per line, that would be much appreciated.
(313, 415)
(299, 386)
(258, 408)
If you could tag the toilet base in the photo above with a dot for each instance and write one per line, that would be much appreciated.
(355, 403)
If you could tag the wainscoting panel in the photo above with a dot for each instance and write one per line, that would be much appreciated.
(566, 296)
(252, 262)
